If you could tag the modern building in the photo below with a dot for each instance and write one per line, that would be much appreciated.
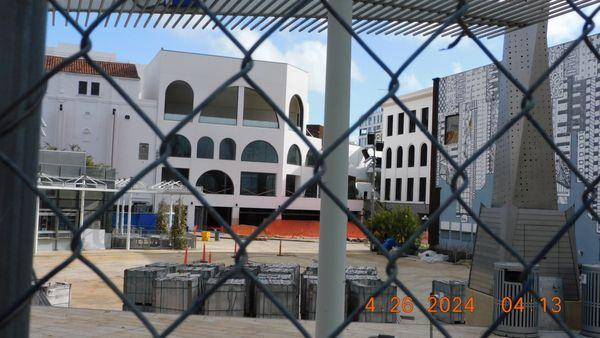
(245, 158)
(468, 115)
(407, 156)
(372, 125)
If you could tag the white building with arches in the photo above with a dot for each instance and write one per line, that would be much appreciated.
(244, 156)
(407, 154)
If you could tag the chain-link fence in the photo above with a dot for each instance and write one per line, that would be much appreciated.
(28, 101)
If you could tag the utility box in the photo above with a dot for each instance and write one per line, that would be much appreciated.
(507, 285)
(58, 294)
(590, 296)
(450, 289)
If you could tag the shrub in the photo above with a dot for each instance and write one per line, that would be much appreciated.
(179, 229)
(398, 223)
(162, 218)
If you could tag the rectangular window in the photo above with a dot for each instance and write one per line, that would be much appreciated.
(400, 123)
(398, 189)
(412, 124)
(422, 188)
(167, 175)
(451, 129)
(95, 88)
(82, 88)
(143, 151)
(390, 124)
(388, 186)
(410, 184)
(257, 184)
(425, 117)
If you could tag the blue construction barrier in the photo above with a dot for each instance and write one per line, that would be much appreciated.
(145, 221)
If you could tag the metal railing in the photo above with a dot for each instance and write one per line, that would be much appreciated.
(21, 113)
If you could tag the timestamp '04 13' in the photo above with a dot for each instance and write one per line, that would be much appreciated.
(436, 304)
(554, 305)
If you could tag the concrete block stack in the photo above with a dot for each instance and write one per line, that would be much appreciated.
(176, 292)
(381, 309)
(170, 267)
(138, 286)
(229, 300)
(282, 280)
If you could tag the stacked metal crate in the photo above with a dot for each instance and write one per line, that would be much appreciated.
(176, 292)
(204, 271)
(138, 286)
(282, 280)
(170, 267)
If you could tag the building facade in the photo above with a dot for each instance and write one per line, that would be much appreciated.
(406, 156)
(372, 125)
(468, 117)
(243, 156)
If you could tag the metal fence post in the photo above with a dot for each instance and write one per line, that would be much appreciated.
(332, 242)
(22, 32)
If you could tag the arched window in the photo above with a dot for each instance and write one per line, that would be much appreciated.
(311, 158)
(423, 154)
(227, 149)
(399, 158)
(222, 109)
(206, 148)
(297, 111)
(215, 182)
(259, 151)
(411, 156)
(179, 100)
(388, 158)
(294, 157)
(180, 147)
(257, 112)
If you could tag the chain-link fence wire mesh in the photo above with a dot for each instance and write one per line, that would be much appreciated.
(459, 181)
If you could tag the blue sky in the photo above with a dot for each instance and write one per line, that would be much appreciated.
(308, 51)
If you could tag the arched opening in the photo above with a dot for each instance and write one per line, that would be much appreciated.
(411, 156)
(227, 149)
(423, 155)
(399, 158)
(294, 156)
(180, 147)
(257, 112)
(215, 182)
(297, 112)
(311, 158)
(222, 109)
(260, 151)
(179, 100)
(205, 148)
(388, 158)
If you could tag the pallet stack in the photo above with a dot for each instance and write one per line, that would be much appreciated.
(176, 292)
(229, 300)
(139, 286)
(282, 280)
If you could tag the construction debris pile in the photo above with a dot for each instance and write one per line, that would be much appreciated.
(173, 288)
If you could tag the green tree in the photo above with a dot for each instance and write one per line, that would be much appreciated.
(162, 218)
(398, 223)
(179, 229)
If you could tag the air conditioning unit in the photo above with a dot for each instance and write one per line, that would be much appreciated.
(590, 300)
(522, 314)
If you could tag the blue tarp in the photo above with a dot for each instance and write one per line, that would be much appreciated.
(138, 220)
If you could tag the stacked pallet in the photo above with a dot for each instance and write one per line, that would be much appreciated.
(176, 292)
(380, 309)
(170, 267)
(139, 286)
(229, 300)
(282, 280)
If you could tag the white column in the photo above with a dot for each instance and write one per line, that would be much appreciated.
(118, 215)
(37, 224)
(170, 211)
(81, 207)
(332, 242)
(122, 215)
(128, 244)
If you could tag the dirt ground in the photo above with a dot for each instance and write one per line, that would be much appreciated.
(90, 292)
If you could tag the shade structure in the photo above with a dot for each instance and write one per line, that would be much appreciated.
(486, 18)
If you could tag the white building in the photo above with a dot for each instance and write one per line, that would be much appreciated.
(406, 158)
(372, 125)
(243, 155)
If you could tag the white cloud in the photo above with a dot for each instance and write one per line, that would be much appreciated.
(457, 67)
(567, 27)
(309, 55)
(409, 82)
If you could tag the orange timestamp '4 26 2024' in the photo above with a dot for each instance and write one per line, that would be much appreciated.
(436, 304)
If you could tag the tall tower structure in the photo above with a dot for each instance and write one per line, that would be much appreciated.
(524, 210)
